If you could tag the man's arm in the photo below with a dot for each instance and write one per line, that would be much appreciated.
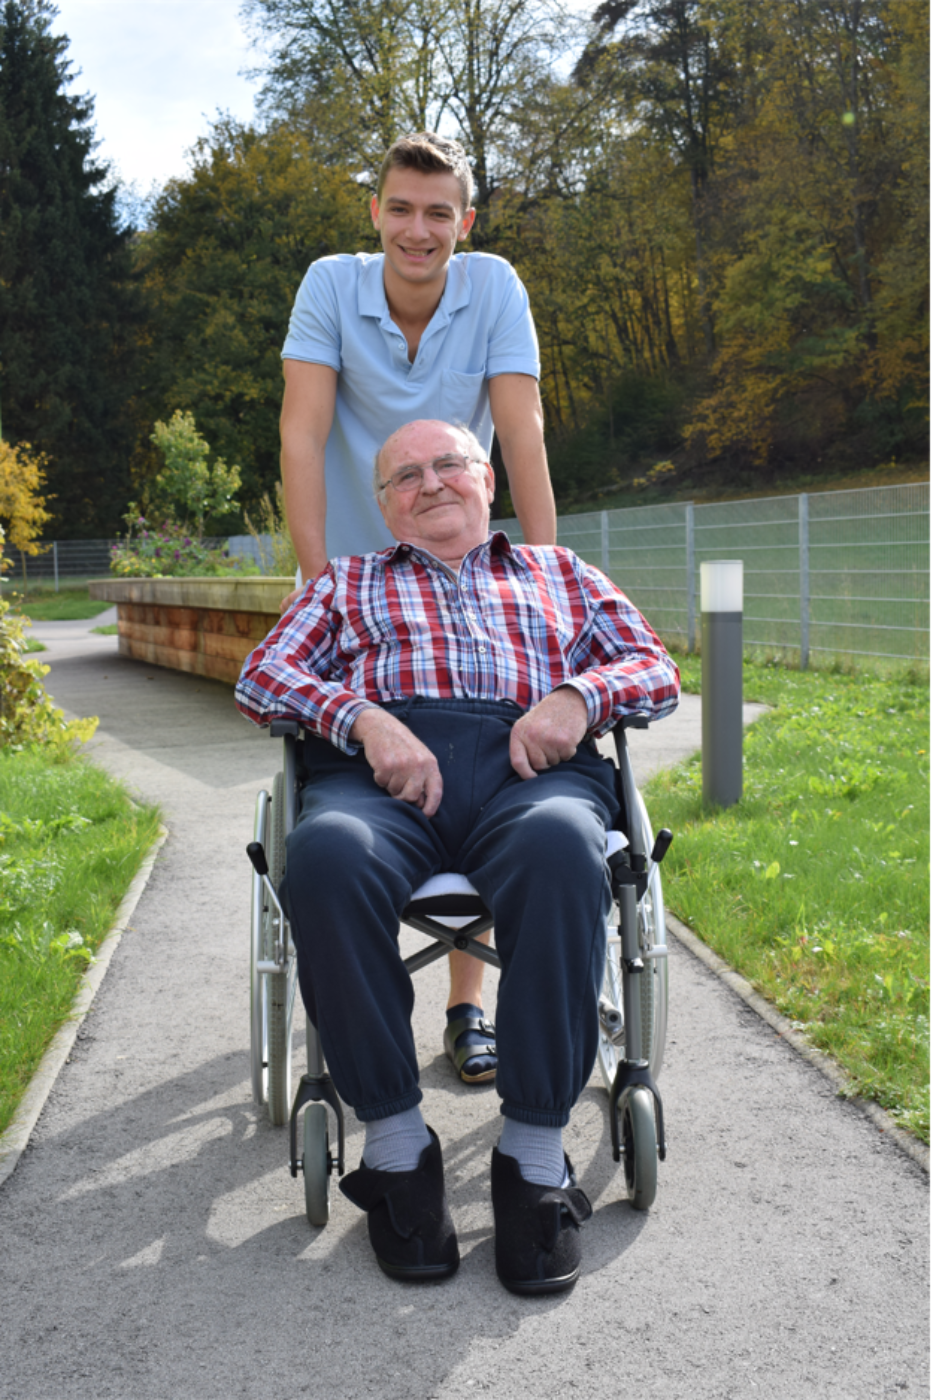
(519, 424)
(307, 415)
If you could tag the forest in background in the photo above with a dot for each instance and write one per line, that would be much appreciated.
(719, 209)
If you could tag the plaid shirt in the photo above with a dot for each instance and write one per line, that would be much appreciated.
(515, 623)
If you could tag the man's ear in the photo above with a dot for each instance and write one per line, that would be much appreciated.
(374, 210)
(469, 219)
(490, 482)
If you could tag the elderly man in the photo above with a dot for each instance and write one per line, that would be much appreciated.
(379, 339)
(457, 683)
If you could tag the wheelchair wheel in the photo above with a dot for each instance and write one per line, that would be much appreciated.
(278, 994)
(316, 1165)
(640, 1148)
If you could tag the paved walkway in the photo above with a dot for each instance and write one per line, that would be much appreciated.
(155, 1247)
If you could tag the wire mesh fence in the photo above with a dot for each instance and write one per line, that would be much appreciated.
(66, 563)
(834, 573)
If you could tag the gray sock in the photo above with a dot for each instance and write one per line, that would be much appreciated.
(538, 1151)
(395, 1144)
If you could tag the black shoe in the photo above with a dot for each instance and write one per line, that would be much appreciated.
(409, 1224)
(537, 1229)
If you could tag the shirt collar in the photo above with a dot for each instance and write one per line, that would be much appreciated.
(497, 543)
(371, 292)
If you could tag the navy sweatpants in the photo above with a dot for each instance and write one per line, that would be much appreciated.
(535, 851)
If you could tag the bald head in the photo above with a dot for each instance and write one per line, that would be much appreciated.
(469, 444)
(444, 513)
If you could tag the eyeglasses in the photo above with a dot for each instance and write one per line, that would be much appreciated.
(409, 479)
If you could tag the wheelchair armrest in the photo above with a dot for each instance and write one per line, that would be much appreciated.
(279, 728)
(632, 722)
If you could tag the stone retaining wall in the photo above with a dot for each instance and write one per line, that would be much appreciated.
(207, 626)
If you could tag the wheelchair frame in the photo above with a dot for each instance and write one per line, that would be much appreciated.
(632, 1003)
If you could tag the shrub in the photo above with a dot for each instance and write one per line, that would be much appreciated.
(27, 712)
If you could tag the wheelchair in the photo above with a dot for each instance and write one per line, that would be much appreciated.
(632, 1003)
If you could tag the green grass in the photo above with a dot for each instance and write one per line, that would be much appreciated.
(69, 605)
(70, 843)
(33, 645)
(816, 885)
(111, 630)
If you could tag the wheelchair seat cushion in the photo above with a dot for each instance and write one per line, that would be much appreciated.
(449, 883)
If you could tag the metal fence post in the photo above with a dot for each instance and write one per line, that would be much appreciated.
(604, 533)
(55, 562)
(691, 581)
(804, 538)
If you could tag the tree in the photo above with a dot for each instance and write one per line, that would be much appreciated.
(202, 492)
(821, 307)
(68, 312)
(680, 84)
(22, 504)
(230, 244)
(356, 74)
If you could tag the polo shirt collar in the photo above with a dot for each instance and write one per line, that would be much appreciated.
(371, 292)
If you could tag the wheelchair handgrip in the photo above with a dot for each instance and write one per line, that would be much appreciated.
(258, 857)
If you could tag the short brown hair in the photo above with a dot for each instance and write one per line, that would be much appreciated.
(425, 150)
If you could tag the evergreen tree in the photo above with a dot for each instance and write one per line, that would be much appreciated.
(67, 306)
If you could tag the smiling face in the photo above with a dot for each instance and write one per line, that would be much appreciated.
(447, 518)
(420, 221)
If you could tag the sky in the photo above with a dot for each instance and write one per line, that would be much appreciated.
(158, 71)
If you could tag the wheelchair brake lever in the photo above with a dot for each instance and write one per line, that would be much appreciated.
(280, 959)
(257, 857)
(661, 845)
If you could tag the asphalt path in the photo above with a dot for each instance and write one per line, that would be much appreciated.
(154, 1246)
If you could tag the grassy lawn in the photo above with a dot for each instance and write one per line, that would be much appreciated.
(70, 843)
(68, 605)
(816, 885)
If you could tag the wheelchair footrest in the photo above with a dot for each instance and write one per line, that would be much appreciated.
(315, 1089)
(631, 1075)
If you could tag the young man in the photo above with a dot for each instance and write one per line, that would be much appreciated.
(451, 687)
(380, 340)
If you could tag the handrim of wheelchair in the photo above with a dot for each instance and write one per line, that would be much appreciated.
(632, 1002)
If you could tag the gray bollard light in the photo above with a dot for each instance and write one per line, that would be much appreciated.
(721, 683)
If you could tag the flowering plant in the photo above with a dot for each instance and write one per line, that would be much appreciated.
(168, 552)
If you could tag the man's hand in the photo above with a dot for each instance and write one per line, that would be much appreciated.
(401, 764)
(549, 733)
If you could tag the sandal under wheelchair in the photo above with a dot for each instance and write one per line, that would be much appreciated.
(632, 1003)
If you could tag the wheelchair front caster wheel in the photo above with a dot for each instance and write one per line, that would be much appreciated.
(640, 1148)
(316, 1165)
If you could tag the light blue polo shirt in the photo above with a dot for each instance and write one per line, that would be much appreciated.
(481, 328)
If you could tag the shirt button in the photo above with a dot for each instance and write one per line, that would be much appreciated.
(482, 650)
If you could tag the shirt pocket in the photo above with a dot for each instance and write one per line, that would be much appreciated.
(462, 395)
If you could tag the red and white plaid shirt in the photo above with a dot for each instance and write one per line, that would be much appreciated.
(515, 623)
